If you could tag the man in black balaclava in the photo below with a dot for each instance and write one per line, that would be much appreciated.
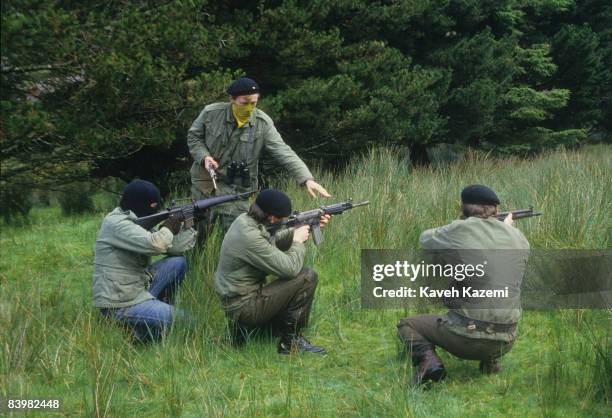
(126, 287)
(141, 197)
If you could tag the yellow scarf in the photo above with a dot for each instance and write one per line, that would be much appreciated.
(242, 113)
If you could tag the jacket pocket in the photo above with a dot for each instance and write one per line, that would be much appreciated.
(214, 142)
(124, 287)
(246, 150)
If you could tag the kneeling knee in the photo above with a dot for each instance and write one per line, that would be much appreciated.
(310, 275)
(180, 265)
(404, 328)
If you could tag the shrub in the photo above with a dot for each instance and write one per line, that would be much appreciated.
(76, 199)
(15, 203)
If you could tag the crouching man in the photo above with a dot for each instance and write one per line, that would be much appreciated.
(473, 329)
(248, 254)
(126, 287)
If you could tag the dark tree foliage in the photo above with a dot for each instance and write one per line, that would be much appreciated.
(100, 89)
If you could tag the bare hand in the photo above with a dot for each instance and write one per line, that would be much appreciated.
(301, 234)
(209, 162)
(324, 220)
(508, 219)
(312, 187)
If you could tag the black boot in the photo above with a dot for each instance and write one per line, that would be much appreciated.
(297, 344)
(490, 366)
(429, 368)
(237, 333)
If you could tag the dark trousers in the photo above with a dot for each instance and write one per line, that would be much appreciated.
(282, 306)
(425, 332)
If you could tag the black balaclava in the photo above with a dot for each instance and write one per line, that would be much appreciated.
(138, 196)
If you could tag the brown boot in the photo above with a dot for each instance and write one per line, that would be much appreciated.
(491, 366)
(429, 368)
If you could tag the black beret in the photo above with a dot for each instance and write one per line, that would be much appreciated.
(479, 195)
(243, 87)
(274, 202)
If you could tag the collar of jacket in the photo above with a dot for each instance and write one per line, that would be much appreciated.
(253, 223)
(229, 117)
(131, 215)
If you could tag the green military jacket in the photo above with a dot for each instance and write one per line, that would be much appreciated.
(215, 133)
(247, 256)
(123, 253)
(505, 249)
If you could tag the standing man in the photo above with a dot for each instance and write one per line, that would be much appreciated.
(229, 138)
(473, 329)
(248, 255)
(126, 287)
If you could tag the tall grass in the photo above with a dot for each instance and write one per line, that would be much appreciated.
(54, 345)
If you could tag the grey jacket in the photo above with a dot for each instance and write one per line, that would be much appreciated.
(123, 253)
(214, 133)
(504, 249)
(248, 255)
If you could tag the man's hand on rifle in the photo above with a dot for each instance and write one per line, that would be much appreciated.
(209, 162)
(301, 234)
(313, 188)
(324, 220)
(508, 219)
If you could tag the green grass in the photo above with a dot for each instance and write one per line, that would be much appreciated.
(54, 346)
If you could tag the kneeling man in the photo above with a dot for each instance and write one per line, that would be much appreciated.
(476, 329)
(126, 287)
(248, 254)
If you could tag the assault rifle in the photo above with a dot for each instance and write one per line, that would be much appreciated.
(518, 214)
(186, 213)
(312, 218)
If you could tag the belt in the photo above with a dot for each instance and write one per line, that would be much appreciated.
(475, 325)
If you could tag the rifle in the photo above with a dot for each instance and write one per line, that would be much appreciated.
(518, 214)
(187, 212)
(312, 218)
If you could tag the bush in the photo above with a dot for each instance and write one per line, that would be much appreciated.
(445, 154)
(76, 199)
(15, 203)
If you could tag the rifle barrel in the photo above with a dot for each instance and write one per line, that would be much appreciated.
(150, 221)
(518, 214)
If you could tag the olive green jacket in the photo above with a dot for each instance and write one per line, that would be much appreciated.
(247, 256)
(505, 251)
(123, 253)
(214, 133)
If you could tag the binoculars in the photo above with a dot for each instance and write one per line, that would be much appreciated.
(238, 169)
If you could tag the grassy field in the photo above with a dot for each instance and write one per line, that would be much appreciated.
(54, 346)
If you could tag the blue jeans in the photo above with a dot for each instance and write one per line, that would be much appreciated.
(150, 318)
